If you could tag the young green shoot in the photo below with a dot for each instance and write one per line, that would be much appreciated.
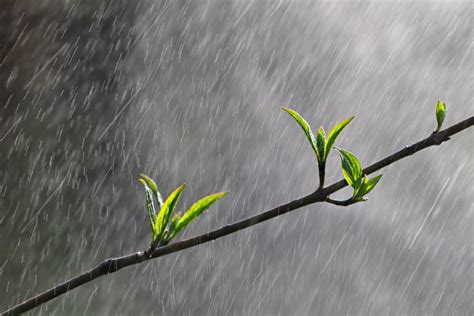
(321, 144)
(352, 172)
(163, 230)
(440, 114)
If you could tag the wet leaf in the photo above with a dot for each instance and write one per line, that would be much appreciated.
(305, 126)
(174, 221)
(152, 185)
(166, 210)
(197, 209)
(334, 133)
(366, 187)
(350, 168)
(172, 227)
(149, 207)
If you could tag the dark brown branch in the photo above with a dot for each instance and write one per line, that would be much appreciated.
(320, 195)
(322, 174)
(347, 202)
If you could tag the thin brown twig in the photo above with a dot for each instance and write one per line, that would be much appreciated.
(321, 194)
(322, 174)
(347, 202)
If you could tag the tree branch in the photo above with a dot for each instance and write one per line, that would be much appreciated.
(347, 202)
(320, 195)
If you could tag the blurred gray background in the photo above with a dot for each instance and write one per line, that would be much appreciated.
(94, 92)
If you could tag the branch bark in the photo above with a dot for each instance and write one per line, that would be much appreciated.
(347, 202)
(320, 195)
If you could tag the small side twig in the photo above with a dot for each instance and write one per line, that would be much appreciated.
(347, 202)
(322, 174)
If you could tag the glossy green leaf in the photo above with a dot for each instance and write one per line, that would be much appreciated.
(305, 126)
(350, 168)
(334, 133)
(440, 114)
(197, 209)
(320, 144)
(149, 206)
(166, 211)
(152, 185)
(366, 187)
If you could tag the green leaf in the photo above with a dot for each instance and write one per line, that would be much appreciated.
(366, 187)
(440, 114)
(350, 168)
(166, 211)
(172, 227)
(305, 126)
(149, 207)
(152, 185)
(197, 209)
(174, 221)
(320, 144)
(357, 185)
(334, 133)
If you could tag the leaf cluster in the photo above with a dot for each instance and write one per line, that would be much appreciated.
(166, 223)
(163, 230)
(352, 172)
(350, 165)
(322, 145)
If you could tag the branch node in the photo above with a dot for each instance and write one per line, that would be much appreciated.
(439, 138)
(411, 150)
(148, 252)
